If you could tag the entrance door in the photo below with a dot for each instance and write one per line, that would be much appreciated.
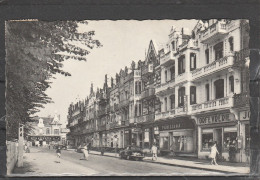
(218, 138)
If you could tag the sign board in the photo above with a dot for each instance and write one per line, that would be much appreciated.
(216, 118)
(244, 115)
(177, 124)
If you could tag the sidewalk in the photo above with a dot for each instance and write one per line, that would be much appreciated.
(39, 163)
(239, 168)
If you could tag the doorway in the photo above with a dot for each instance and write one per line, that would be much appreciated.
(218, 139)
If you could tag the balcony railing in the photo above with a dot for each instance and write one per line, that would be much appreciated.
(182, 77)
(214, 32)
(189, 44)
(148, 92)
(167, 59)
(241, 100)
(164, 115)
(167, 85)
(225, 102)
(144, 118)
(215, 66)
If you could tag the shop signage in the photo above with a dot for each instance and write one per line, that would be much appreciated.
(216, 118)
(182, 124)
(244, 115)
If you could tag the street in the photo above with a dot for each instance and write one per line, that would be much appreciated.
(44, 161)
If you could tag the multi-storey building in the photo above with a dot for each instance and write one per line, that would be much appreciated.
(183, 97)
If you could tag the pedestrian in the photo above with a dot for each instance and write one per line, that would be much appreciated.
(49, 146)
(213, 153)
(85, 152)
(58, 152)
(154, 152)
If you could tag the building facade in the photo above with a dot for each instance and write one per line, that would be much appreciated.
(183, 96)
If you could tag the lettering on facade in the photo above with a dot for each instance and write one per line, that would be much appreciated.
(217, 118)
(170, 126)
(244, 115)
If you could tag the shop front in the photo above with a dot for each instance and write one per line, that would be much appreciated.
(177, 135)
(220, 128)
(115, 138)
(136, 137)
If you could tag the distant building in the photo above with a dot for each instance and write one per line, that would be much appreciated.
(47, 130)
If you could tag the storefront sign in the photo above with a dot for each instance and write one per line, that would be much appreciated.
(180, 124)
(244, 115)
(216, 118)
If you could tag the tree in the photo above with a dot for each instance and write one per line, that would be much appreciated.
(35, 51)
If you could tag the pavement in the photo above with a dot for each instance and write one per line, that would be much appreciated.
(227, 167)
(44, 162)
(36, 164)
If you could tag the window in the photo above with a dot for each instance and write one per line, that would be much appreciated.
(165, 75)
(231, 43)
(165, 104)
(192, 95)
(135, 110)
(172, 97)
(207, 56)
(47, 131)
(207, 140)
(136, 87)
(218, 50)
(207, 92)
(173, 45)
(140, 110)
(181, 94)
(172, 71)
(192, 61)
(219, 88)
(181, 65)
(140, 87)
(56, 131)
(231, 84)
(229, 137)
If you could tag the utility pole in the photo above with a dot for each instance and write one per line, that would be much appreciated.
(20, 146)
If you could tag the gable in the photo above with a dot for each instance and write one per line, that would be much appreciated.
(151, 55)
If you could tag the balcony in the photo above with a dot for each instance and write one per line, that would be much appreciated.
(117, 124)
(182, 77)
(103, 111)
(144, 118)
(167, 59)
(241, 100)
(214, 32)
(188, 44)
(165, 115)
(165, 88)
(148, 92)
(218, 65)
(147, 69)
(225, 102)
(123, 103)
(101, 127)
(180, 111)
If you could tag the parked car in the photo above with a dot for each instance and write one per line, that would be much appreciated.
(131, 152)
(79, 149)
(62, 146)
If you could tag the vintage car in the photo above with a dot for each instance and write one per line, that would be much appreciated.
(131, 152)
(61, 146)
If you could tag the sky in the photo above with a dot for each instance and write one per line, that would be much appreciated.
(123, 41)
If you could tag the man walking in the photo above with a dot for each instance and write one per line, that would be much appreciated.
(154, 152)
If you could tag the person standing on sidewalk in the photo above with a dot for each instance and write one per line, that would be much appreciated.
(85, 151)
(154, 152)
(58, 151)
(213, 153)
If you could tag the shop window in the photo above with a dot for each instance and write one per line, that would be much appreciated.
(218, 50)
(165, 104)
(231, 43)
(207, 56)
(219, 88)
(192, 95)
(207, 92)
(231, 84)
(172, 71)
(181, 94)
(179, 143)
(229, 137)
(247, 137)
(181, 64)
(192, 61)
(207, 140)
(172, 97)
(164, 143)
(165, 75)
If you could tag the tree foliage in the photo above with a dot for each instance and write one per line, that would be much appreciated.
(35, 51)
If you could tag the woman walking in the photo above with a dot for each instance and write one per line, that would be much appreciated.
(85, 151)
(213, 154)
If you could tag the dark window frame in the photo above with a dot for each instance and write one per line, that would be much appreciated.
(193, 92)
